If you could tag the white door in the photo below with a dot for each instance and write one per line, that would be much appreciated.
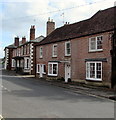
(41, 70)
(67, 72)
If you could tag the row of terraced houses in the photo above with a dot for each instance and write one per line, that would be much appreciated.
(83, 52)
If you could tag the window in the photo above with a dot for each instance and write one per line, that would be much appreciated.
(54, 50)
(26, 63)
(41, 68)
(28, 49)
(94, 71)
(53, 69)
(19, 51)
(95, 43)
(13, 63)
(25, 50)
(38, 68)
(18, 63)
(41, 52)
(67, 49)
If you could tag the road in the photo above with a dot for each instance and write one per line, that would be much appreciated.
(31, 98)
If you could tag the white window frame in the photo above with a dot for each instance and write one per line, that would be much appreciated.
(94, 79)
(38, 71)
(53, 55)
(95, 50)
(41, 52)
(66, 54)
(51, 74)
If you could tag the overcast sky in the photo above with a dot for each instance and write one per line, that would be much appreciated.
(16, 16)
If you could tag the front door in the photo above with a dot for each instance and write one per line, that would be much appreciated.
(67, 72)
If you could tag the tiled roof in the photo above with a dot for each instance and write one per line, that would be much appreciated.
(102, 21)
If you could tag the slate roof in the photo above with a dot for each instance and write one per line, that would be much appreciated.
(100, 22)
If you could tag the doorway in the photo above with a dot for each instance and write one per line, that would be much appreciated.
(67, 72)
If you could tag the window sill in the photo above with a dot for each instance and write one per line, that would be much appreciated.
(91, 51)
(93, 79)
(26, 68)
(67, 55)
(54, 75)
(54, 56)
(38, 72)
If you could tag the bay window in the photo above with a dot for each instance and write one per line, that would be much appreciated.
(53, 69)
(94, 71)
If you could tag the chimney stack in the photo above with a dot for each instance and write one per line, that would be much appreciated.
(50, 26)
(32, 32)
(23, 40)
(16, 42)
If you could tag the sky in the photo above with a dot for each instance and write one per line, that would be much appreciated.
(17, 16)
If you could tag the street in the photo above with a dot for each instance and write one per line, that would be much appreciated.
(31, 98)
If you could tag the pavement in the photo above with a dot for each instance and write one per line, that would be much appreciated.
(76, 87)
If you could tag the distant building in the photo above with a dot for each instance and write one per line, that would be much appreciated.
(20, 55)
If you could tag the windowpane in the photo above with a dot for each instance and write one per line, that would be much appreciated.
(92, 70)
(55, 50)
(98, 70)
(87, 71)
(50, 68)
(54, 68)
(41, 52)
(93, 44)
(99, 42)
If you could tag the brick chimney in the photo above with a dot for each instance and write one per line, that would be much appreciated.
(32, 32)
(23, 40)
(50, 26)
(16, 42)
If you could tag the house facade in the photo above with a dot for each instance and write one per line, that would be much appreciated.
(8, 56)
(21, 57)
(80, 52)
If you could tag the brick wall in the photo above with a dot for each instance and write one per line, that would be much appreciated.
(79, 52)
(47, 56)
(80, 48)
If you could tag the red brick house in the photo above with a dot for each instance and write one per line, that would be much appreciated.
(83, 51)
(21, 55)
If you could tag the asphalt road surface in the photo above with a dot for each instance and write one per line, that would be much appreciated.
(30, 98)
